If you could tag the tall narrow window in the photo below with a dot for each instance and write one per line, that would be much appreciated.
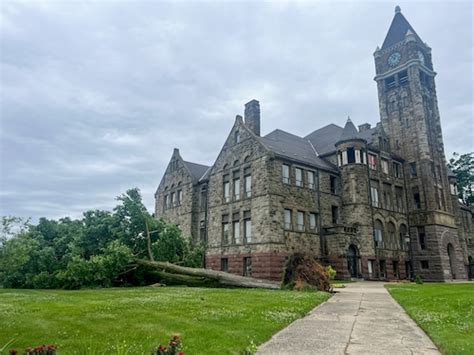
(237, 137)
(298, 177)
(332, 184)
(203, 197)
(384, 163)
(372, 161)
(334, 214)
(179, 197)
(167, 201)
(202, 231)
(413, 170)
(225, 264)
(225, 229)
(310, 177)
(248, 266)
(312, 222)
(285, 173)
(387, 194)
(397, 172)
(374, 194)
(172, 199)
(287, 218)
(300, 221)
(226, 188)
(399, 199)
(247, 182)
(350, 155)
(247, 227)
(422, 237)
(236, 227)
(416, 198)
(236, 185)
(378, 233)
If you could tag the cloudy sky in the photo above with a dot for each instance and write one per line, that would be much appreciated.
(95, 95)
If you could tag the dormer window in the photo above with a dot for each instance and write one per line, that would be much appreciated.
(237, 137)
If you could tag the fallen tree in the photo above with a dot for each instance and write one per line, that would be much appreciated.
(205, 277)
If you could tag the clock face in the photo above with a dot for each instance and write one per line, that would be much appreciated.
(421, 57)
(394, 59)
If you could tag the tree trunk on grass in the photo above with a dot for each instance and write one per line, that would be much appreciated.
(196, 276)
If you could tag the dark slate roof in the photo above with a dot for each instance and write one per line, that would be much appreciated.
(323, 139)
(196, 170)
(295, 148)
(349, 132)
(397, 31)
(367, 135)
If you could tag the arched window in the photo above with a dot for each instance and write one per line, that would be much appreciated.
(378, 233)
(236, 162)
(392, 240)
(237, 136)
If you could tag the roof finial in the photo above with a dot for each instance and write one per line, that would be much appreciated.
(349, 119)
(397, 9)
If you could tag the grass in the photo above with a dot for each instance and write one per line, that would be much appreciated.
(444, 311)
(134, 320)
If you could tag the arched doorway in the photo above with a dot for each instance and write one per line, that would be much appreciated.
(352, 261)
(451, 260)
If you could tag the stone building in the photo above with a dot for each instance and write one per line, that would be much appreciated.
(374, 202)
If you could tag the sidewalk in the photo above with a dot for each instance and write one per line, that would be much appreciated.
(360, 319)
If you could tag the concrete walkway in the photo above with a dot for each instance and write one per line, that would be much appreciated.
(360, 319)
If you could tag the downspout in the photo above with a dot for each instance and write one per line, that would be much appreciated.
(371, 204)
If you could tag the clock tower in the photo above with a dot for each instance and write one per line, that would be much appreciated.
(409, 115)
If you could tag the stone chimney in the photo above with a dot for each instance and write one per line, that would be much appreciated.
(252, 116)
(364, 127)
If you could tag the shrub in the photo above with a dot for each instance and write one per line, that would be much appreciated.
(419, 280)
(331, 272)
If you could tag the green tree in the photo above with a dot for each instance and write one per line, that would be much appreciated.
(463, 166)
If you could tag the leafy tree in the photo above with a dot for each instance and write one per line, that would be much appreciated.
(463, 166)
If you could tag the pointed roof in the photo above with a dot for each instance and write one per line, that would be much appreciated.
(196, 170)
(398, 30)
(349, 132)
(323, 139)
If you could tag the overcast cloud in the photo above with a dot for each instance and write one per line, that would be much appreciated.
(95, 95)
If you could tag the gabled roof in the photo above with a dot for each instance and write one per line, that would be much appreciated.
(398, 30)
(196, 170)
(295, 148)
(323, 139)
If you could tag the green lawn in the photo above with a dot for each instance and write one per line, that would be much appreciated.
(211, 321)
(444, 311)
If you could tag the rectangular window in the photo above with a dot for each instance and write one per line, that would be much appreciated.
(310, 177)
(374, 194)
(390, 83)
(332, 184)
(424, 264)
(358, 154)
(172, 199)
(180, 196)
(236, 227)
(226, 188)
(403, 77)
(225, 229)
(312, 222)
(385, 166)
(413, 171)
(387, 195)
(202, 231)
(247, 182)
(287, 218)
(236, 189)
(350, 155)
(399, 199)
(397, 170)
(372, 162)
(248, 266)
(416, 198)
(225, 264)
(167, 201)
(298, 177)
(203, 198)
(247, 227)
(422, 237)
(285, 173)
(300, 221)
(334, 214)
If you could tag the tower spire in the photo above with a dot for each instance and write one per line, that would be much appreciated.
(398, 30)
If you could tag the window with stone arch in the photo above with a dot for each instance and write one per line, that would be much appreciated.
(378, 233)
(392, 241)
